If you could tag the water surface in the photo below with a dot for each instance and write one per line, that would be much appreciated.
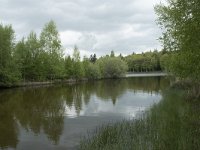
(56, 117)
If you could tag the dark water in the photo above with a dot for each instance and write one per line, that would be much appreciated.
(56, 117)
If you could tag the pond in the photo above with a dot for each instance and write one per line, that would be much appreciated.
(56, 117)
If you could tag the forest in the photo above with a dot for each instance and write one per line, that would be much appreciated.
(41, 58)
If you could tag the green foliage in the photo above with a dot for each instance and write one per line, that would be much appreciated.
(164, 61)
(32, 58)
(180, 21)
(145, 62)
(51, 45)
(92, 71)
(77, 67)
(68, 67)
(77, 71)
(112, 67)
(50, 40)
(41, 59)
(93, 58)
(9, 73)
(29, 57)
(76, 54)
(112, 54)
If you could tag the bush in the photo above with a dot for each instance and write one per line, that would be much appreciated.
(112, 67)
(92, 71)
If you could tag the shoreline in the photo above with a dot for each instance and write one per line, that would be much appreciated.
(42, 83)
(144, 74)
(73, 81)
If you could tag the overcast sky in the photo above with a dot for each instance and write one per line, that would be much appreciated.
(95, 26)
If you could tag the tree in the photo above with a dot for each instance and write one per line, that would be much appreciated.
(76, 54)
(51, 44)
(112, 67)
(9, 73)
(121, 56)
(93, 58)
(28, 55)
(35, 60)
(92, 71)
(112, 54)
(77, 65)
(68, 67)
(20, 56)
(180, 21)
(164, 61)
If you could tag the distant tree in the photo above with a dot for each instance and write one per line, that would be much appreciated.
(68, 67)
(93, 58)
(85, 63)
(92, 71)
(147, 61)
(120, 56)
(112, 54)
(78, 71)
(112, 67)
(76, 54)
(164, 62)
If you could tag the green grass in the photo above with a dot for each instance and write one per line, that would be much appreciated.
(173, 124)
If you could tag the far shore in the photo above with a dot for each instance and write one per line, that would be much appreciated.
(145, 74)
(71, 81)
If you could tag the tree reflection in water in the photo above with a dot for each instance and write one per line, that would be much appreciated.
(43, 109)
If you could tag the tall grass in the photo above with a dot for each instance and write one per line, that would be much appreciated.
(173, 124)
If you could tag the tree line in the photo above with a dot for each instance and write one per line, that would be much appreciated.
(146, 62)
(41, 58)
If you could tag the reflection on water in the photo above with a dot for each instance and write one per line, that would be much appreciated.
(55, 117)
(172, 124)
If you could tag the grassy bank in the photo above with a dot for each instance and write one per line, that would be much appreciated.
(172, 124)
(191, 88)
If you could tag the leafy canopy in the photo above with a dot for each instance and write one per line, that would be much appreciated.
(180, 21)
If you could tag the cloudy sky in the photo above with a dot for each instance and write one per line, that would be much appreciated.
(95, 26)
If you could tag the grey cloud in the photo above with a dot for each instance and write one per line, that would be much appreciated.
(87, 42)
(100, 22)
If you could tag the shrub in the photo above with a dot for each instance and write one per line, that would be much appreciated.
(112, 67)
(92, 71)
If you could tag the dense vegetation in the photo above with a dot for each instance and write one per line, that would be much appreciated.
(9, 72)
(41, 58)
(180, 20)
(145, 62)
